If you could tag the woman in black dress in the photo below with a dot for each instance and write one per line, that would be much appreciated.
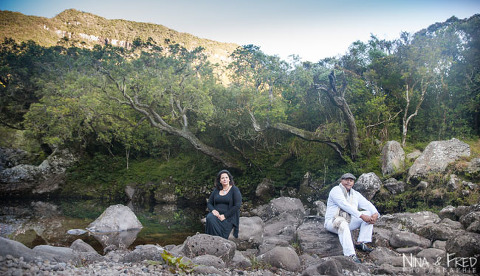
(224, 205)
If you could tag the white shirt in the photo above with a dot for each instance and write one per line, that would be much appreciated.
(336, 200)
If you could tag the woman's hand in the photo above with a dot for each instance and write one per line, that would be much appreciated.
(215, 213)
(221, 217)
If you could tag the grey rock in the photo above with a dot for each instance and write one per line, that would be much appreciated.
(282, 257)
(408, 239)
(115, 218)
(313, 238)
(448, 212)
(464, 244)
(368, 184)
(250, 234)
(144, 252)
(394, 186)
(432, 255)
(240, 261)
(393, 158)
(468, 219)
(453, 183)
(80, 246)
(281, 205)
(203, 244)
(336, 266)
(320, 208)
(209, 260)
(265, 190)
(436, 157)
(382, 255)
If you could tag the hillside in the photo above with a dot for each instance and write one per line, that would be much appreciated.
(88, 29)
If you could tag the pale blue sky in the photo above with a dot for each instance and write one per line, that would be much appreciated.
(308, 28)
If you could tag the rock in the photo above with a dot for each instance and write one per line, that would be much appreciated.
(59, 254)
(368, 185)
(321, 208)
(203, 244)
(313, 238)
(115, 218)
(394, 186)
(281, 205)
(336, 266)
(117, 239)
(432, 255)
(80, 246)
(144, 252)
(129, 191)
(282, 257)
(240, 261)
(474, 166)
(265, 190)
(16, 249)
(25, 179)
(448, 212)
(440, 231)
(453, 183)
(207, 270)
(209, 260)
(270, 243)
(282, 226)
(436, 157)
(471, 218)
(409, 250)
(414, 155)
(440, 245)
(382, 255)
(408, 239)
(76, 232)
(309, 189)
(411, 221)
(393, 158)
(250, 234)
(464, 244)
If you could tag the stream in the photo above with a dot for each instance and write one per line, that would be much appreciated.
(47, 222)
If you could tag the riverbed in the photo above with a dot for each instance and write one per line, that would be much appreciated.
(38, 222)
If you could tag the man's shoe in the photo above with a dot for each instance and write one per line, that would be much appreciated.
(362, 246)
(355, 259)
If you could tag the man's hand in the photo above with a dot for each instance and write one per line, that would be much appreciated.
(369, 219)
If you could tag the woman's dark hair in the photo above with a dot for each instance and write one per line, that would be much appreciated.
(218, 185)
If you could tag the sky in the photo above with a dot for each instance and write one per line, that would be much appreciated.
(310, 29)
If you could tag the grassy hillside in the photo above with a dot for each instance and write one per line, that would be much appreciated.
(86, 29)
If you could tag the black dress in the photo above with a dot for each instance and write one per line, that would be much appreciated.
(227, 205)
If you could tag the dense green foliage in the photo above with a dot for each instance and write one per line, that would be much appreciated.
(149, 113)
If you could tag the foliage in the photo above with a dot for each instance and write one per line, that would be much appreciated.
(177, 264)
(157, 111)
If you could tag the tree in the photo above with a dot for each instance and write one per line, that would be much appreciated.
(172, 91)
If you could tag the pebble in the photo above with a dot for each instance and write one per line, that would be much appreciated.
(11, 266)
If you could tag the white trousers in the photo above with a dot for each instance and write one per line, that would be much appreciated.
(345, 236)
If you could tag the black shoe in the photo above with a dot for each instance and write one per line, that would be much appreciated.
(355, 259)
(362, 246)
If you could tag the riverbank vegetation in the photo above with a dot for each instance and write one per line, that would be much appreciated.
(148, 115)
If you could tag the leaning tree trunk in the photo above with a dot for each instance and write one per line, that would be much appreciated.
(338, 99)
(157, 121)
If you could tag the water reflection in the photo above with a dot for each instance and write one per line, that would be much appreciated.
(41, 222)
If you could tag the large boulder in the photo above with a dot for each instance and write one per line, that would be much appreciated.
(436, 157)
(115, 218)
(203, 244)
(313, 238)
(401, 239)
(25, 179)
(464, 244)
(393, 158)
(281, 205)
(250, 234)
(368, 184)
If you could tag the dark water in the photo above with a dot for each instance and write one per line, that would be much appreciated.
(47, 222)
